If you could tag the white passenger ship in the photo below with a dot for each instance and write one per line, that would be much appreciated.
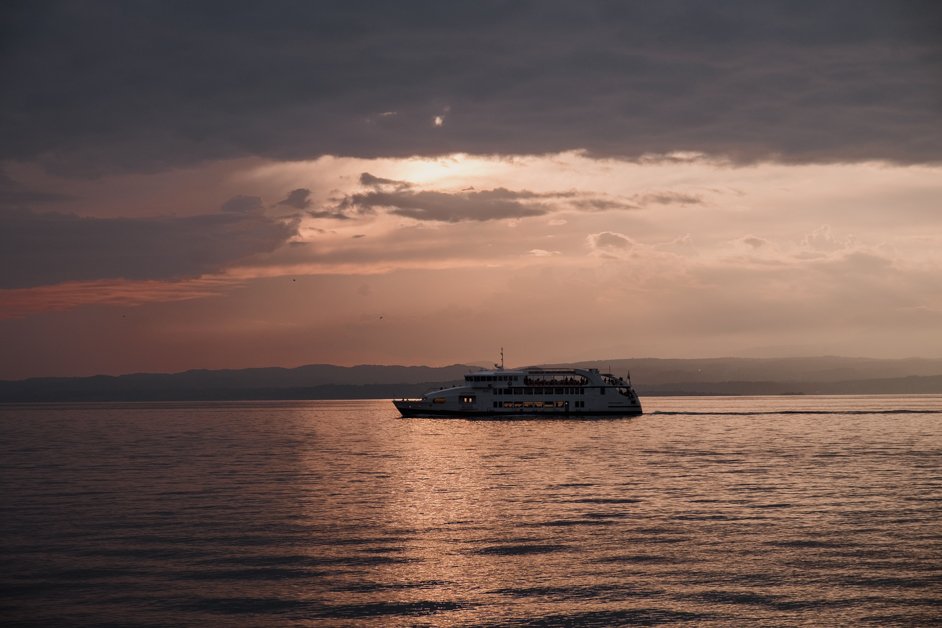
(550, 392)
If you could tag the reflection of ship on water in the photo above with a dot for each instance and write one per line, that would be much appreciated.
(551, 392)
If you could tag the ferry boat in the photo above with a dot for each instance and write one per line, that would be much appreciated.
(530, 392)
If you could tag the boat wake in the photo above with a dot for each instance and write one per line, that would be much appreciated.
(792, 412)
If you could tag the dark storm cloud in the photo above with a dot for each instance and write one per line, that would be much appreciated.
(242, 204)
(327, 213)
(93, 87)
(401, 198)
(15, 194)
(297, 199)
(378, 182)
(480, 206)
(46, 248)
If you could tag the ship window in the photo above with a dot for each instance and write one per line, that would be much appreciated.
(438, 400)
(602, 389)
(467, 399)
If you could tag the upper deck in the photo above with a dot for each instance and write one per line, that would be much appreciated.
(542, 377)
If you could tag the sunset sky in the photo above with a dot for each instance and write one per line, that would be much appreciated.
(228, 184)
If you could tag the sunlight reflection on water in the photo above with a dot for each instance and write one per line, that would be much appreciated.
(705, 510)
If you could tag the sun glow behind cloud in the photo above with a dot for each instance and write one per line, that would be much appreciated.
(705, 257)
(717, 201)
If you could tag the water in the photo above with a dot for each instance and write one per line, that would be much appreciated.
(764, 510)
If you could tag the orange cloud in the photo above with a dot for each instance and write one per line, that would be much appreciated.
(21, 302)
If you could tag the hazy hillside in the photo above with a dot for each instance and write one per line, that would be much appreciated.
(651, 376)
(656, 372)
(313, 381)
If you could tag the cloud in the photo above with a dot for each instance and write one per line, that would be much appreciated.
(638, 201)
(823, 241)
(21, 302)
(49, 248)
(603, 204)
(297, 199)
(754, 241)
(401, 198)
(378, 182)
(611, 240)
(610, 245)
(668, 198)
(325, 213)
(15, 194)
(155, 86)
(242, 204)
(496, 204)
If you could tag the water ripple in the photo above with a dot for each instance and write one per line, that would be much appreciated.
(707, 511)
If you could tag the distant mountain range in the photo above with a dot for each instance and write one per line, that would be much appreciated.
(776, 376)
(651, 376)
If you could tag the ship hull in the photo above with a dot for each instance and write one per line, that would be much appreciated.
(414, 411)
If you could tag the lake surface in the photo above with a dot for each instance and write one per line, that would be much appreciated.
(763, 510)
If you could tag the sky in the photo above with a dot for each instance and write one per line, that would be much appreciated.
(234, 184)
